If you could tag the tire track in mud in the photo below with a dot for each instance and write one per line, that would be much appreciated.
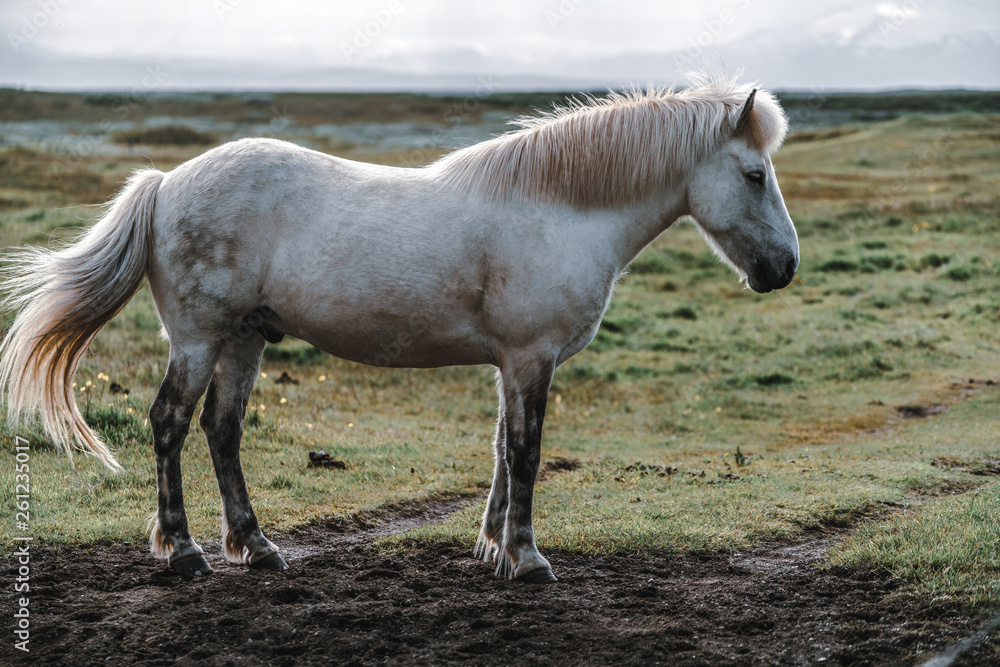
(365, 528)
(882, 418)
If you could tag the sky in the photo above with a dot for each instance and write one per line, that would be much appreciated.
(517, 44)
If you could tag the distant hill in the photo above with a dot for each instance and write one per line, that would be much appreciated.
(318, 108)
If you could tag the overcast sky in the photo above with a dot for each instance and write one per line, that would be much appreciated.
(429, 44)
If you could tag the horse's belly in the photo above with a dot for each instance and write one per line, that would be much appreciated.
(405, 341)
(398, 353)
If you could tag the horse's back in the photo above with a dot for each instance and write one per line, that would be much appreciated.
(316, 238)
(249, 177)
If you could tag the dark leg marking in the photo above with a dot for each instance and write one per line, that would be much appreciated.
(222, 421)
(170, 418)
(525, 399)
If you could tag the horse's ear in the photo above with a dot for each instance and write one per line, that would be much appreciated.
(741, 123)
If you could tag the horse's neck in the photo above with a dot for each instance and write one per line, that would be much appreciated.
(637, 226)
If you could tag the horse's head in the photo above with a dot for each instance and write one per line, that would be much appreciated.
(734, 198)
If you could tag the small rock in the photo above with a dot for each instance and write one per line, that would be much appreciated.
(286, 379)
(324, 460)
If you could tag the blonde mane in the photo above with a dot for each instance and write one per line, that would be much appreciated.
(615, 150)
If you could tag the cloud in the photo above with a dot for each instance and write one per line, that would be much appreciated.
(250, 43)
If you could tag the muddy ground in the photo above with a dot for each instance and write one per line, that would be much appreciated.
(344, 603)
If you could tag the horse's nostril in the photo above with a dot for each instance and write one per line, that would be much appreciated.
(790, 270)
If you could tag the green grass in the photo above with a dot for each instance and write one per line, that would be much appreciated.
(778, 411)
(947, 548)
(675, 496)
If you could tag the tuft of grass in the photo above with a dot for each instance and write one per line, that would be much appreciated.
(960, 273)
(803, 136)
(838, 265)
(933, 260)
(650, 261)
(165, 135)
(621, 324)
(773, 379)
(119, 425)
(282, 483)
(866, 368)
(874, 263)
(293, 352)
(684, 313)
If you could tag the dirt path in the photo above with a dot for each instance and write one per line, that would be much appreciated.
(343, 603)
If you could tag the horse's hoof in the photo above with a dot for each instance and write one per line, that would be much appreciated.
(273, 562)
(540, 575)
(193, 565)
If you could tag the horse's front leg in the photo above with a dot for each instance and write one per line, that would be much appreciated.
(491, 534)
(525, 389)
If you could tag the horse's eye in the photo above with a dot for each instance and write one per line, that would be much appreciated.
(755, 177)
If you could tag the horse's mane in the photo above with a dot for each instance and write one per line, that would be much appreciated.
(614, 150)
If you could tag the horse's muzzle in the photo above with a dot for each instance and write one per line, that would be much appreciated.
(766, 276)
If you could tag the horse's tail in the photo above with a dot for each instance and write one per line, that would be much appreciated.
(63, 298)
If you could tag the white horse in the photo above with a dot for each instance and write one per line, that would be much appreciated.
(503, 253)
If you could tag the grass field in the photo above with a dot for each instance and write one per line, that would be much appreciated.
(703, 416)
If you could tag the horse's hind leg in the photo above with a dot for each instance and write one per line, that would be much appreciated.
(222, 421)
(188, 372)
(488, 544)
(526, 380)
